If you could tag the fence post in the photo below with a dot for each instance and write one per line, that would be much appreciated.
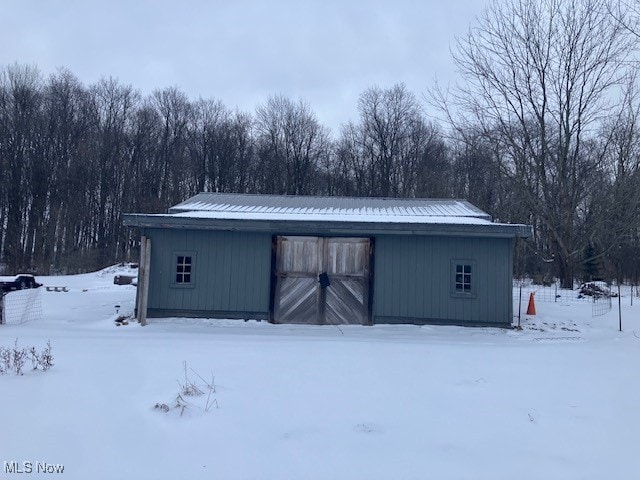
(144, 294)
(619, 309)
(141, 277)
(519, 305)
(143, 280)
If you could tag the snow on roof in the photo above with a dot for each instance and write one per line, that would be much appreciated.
(300, 214)
(13, 278)
(339, 209)
(332, 217)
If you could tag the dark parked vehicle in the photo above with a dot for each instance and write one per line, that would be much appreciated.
(18, 282)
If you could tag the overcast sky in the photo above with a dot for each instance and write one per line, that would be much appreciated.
(326, 52)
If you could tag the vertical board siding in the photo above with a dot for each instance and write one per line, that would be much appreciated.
(413, 280)
(238, 263)
(438, 279)
(457, 304)
(412, 275)
(488, 257)
(204, 276)
(232, 271)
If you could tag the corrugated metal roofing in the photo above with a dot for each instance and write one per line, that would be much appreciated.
(283, 205)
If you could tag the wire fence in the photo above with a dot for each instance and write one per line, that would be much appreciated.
(600, 304)
(21, 306)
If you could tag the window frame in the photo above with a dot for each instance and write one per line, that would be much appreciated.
(473, 278)
(175, 272)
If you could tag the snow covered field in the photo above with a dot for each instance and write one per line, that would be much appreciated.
(558, 400)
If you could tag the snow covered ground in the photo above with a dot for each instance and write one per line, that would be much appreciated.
(558, 400)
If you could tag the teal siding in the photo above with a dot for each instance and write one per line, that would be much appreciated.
(413, 280)
(231, 273)
(412, 277)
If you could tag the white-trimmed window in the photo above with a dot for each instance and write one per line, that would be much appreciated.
(463, 278)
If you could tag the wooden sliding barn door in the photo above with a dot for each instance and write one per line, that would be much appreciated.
(300, 297)
(298, 261)
(347, 265)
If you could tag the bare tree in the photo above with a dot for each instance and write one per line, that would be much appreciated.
(540, 76)
(20, 106)
(627, 14)
(221, 146)
(66, 123)
(613, 211)
(175, 112)
(392, 151)
(476, 173)
(114, 105)
(291, 143)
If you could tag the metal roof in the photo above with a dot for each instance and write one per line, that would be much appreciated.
(341, 208)
(328, 215)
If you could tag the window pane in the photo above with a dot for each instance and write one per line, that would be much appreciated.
(183, 269)
(462, 278)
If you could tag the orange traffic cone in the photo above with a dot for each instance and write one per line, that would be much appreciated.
(531, 309)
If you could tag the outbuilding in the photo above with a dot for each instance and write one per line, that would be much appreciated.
(327, 260)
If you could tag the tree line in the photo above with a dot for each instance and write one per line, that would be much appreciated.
(542, 129)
